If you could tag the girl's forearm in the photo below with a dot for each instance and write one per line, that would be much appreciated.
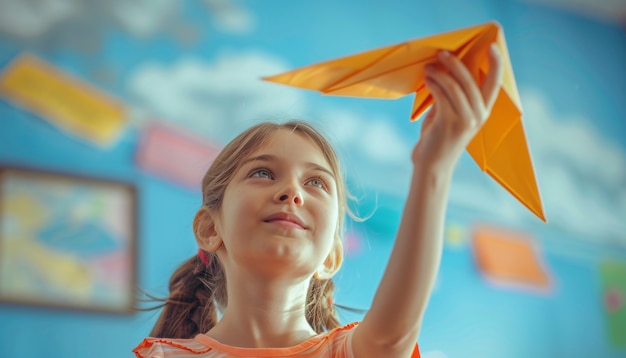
(460, 109)
(402, 296)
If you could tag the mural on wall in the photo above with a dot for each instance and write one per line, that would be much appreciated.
(216, 93)
(67, 241)
(179, 79)
(203, 94)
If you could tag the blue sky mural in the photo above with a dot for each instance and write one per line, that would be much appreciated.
(196, 66)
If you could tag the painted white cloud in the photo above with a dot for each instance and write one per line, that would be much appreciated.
(81, 23)
(31, 18)
(37, 18)
(580, 173)
(373, 136)
(483, 194)
(375, 153)
(230, 17)
(219, 98)
(216, 98)
(142, 18)
(381, 142)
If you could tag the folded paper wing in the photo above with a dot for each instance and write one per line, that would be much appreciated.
(499, 148)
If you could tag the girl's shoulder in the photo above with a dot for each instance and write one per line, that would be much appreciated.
(335, 343)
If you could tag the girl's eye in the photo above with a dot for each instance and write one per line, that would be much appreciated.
(318, 182)
(261, 173)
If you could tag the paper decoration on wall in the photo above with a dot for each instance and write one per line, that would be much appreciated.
(511, 259)
(391, 72)
(455, 235)
(613, 280)
(175, 155)
(69, 103)
(352, 243)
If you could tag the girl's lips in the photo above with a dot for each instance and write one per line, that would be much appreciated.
(286, 219)
(286, 223)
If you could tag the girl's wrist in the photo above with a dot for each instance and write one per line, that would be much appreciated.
(435, 174)
(433, 166)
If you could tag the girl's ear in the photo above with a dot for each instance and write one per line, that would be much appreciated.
(206, 233)
(332, 263)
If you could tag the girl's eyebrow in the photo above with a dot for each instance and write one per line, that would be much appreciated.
(272, 158)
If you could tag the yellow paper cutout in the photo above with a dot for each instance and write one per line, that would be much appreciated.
(65, 101)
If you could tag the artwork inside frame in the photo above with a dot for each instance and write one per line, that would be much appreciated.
(67, 241)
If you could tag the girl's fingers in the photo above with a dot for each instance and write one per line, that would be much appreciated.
(456, 99)
(464, 79)
(440, 97)
(491, 87)
(429, 117)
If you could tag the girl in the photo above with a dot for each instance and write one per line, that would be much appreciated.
(269, 233)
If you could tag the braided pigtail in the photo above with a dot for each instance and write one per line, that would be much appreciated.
(320, 310)
(197, 291)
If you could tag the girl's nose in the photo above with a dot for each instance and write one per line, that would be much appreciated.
(290, 196)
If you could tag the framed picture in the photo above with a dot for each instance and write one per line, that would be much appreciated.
(67, 241)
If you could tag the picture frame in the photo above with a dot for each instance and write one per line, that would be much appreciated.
(67, 240)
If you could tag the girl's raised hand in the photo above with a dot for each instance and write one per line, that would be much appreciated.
(459, 111)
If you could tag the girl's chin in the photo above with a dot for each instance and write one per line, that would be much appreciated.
(279, 260)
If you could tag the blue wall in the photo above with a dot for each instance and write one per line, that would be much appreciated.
(577, 64)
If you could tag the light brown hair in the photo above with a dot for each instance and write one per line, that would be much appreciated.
(198, 291)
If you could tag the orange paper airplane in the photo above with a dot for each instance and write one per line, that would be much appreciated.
(392, 72)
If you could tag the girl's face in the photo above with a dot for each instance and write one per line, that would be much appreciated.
(279, 213)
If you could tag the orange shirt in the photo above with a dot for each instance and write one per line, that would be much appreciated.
(336, 343)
